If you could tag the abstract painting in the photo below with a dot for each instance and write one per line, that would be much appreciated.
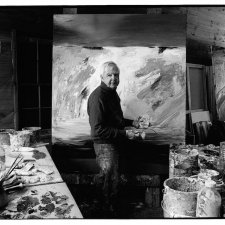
(152, 81)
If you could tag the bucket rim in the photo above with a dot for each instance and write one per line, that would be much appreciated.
(31, 128)
(20, 132)
(177, 191)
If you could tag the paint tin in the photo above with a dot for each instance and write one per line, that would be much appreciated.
(183, 162)
(19, 139)
(35, 134)
(180, 195)
(4, 136)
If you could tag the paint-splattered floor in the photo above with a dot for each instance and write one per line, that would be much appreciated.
(131, 204)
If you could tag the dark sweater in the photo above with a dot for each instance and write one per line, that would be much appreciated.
(106, 116)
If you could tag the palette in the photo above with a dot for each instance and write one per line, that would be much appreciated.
(43, 201)
(39, 155)
(33, 170)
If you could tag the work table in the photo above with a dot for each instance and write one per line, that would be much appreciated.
(48, 198)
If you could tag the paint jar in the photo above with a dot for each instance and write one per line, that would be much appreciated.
(4, 136)
(35, 134)
(19, 139)
(208, 201)
(2, 158)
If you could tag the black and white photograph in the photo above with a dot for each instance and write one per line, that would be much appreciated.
(112, 112)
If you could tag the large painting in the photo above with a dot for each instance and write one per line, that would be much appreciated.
(152, 80)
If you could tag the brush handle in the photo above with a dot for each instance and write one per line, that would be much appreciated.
(13, 187)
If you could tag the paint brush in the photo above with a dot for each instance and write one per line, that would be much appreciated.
(21, 185)
(12, 167)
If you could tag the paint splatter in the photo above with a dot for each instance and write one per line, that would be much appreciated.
(27, 203)
(45, 200)
(62, 210)
(38, 155)
(49, 208)
(28, 206)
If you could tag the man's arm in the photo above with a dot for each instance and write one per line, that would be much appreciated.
(97, 122)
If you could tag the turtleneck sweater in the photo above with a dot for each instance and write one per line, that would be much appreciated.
(106, 116)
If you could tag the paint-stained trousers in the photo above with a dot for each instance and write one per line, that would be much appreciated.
(107, 159)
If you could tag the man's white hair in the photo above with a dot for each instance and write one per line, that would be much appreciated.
(106, 65)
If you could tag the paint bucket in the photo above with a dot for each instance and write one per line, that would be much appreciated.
(4, 136)
(35, 134)
(183, 162)
(208, 159)
(180, 195)
(19, 139)
(168, 214)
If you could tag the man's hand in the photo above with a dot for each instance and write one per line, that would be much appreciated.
(135, 135)
(136, 123)
(142, 122)
(130, 134)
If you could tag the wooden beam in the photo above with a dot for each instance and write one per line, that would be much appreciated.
(69, 10)
(15, 80)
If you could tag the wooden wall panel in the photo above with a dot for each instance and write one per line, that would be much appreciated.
(206, 24)
(6, 82)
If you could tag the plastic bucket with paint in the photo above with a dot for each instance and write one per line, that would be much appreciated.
(180, 195)
(35, 134)
(19, 139)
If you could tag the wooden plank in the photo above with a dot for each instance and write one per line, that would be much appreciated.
(206, 24)
(69, 10)
(205, 21)
(218, 33)
(203, 37)
(15, 80)
(202, 11)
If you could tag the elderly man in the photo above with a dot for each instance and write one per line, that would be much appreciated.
(107, 129)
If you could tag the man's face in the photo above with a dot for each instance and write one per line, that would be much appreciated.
(111, 76)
